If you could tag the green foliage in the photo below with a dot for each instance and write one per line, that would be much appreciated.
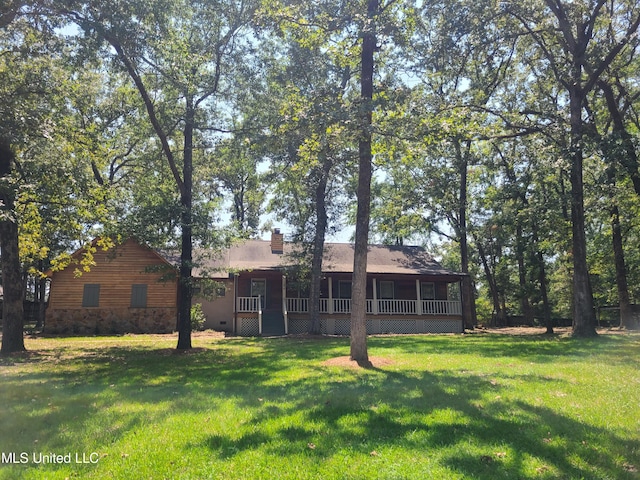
(468, 94)
(197, 317)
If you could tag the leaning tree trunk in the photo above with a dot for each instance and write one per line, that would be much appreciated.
(12, 305)
(359, 289)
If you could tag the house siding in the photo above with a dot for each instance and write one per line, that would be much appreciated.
(116, 271)
(219, 311)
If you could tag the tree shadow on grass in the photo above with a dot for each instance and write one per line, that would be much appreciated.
(438, 414)
(536, 348)
(446, 415)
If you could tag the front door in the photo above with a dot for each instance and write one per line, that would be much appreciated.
(259, 289)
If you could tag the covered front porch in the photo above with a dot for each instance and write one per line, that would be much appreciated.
(266, 303)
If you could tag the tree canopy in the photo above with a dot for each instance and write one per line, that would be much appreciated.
(503, 135)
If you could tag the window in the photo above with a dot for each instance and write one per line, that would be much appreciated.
(138, 296)
(344, 289)
(428, 291)
(386, 290)
(91, 295)
(258, 287)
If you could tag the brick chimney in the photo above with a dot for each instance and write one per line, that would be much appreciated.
(277, 241)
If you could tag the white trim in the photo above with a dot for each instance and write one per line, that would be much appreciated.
(330, 303)
(375, 295)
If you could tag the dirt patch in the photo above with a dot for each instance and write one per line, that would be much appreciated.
(346, 362)
(524, 330)
(561, 331)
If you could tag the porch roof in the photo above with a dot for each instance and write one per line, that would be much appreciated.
(338, 258)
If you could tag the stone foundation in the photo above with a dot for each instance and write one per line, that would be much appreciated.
(101, 321)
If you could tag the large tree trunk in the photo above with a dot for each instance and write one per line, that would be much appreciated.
(628, 159)
(576, 37)
(542, 280)
(627, 319)
(359, 289)
(468, 296)
(525, 305)
(318, 246)
(185, 290)
(12, 305)
(41, 298)
(184, 185)
(584, 317)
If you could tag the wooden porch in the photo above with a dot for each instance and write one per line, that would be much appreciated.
(273, 308)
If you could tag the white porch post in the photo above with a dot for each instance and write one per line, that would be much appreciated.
(235, 303)
(284, 305)
(419, 299)
(259, 314)
(375, 296)
(330, 306)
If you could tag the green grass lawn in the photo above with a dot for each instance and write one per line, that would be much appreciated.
(466, 406)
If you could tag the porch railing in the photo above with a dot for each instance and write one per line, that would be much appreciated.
(441, 307)
(297, 305)
(385, 307)
(402, 307)
(249, 304)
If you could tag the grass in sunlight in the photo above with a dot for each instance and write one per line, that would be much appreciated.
(450, 406)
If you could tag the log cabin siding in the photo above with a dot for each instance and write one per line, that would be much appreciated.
(116, 271)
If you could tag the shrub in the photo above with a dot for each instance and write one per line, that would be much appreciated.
(197, 317)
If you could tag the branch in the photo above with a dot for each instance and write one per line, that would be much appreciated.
(539, 41)
(595, 75)
(128, 63)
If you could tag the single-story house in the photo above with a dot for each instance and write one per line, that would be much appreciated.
(407, 291)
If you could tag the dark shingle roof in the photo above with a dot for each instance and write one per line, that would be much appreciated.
(338, 258)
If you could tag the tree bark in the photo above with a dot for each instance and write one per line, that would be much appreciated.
(359, 288)
(584, 317)
(542, 280)
(626, 316)
(468, 296)
(185, 290)
(498, 319)
(525, 305)
(575, 39)
(41, 298)
(12, 305)
(318, 246)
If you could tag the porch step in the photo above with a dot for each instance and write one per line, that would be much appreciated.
(272, 324)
